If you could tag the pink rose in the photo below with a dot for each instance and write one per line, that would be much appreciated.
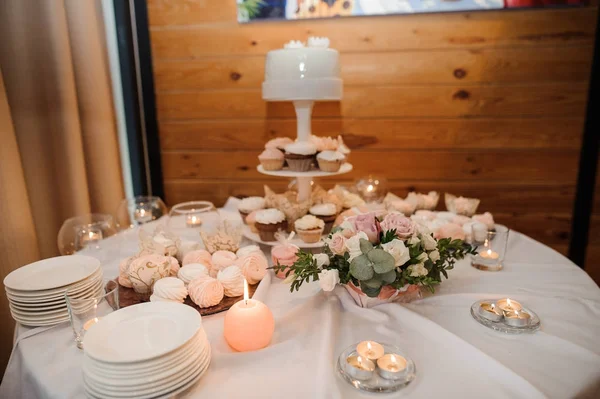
(405, 227)
(368, 224)
(337, 243)
(450, 230)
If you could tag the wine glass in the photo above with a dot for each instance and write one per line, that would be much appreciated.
(139, 210)
(85, 231)
(189, 214)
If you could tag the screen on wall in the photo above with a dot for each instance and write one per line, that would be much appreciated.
(251, 10)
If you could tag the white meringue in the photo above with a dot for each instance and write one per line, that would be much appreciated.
(232, 280)
(206, 291)
(191, 271)
(169, 289)
(246, 250)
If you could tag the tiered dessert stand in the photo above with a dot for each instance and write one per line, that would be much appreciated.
(303, 75)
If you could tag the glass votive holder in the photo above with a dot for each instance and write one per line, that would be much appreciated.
(85, 312)
(85, 231)
(491, 254)
(371, 188)
(139, 210)
(189, 214)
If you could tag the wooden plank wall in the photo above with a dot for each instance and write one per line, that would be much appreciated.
(485, 104)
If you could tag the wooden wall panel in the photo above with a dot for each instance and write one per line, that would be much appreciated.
(484, 104)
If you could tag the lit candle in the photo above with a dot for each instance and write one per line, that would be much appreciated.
(249, 324)
(517, 318)
(508, 305)
(89, 236)
(142, 215)
(489, 254)
(88, 324)
(359, 367)
(193, 220)
(488, 311)
(370, 350)
(391, 367)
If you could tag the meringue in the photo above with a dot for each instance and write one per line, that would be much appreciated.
(253, 266)
(250, 204)
(169, 289)
(246, 250)
(206, 291)
(198, 256)
(232, 280)
(221, 260)
(186, 247)
(192, 270)
(485, 218)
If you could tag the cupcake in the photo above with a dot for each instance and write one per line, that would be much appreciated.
(251, 221)
(309, 228)
(247, 205)
(343, 148)
(327, 213)
(330, 161)
(279, 143)
(268, 222)
(271, 159)
(300, 156)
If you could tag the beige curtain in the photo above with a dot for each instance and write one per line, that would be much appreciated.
(59, 151)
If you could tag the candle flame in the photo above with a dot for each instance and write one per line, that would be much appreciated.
(246, 294)
(91, 234)
(359, 359)
(370, 188)
(486, 243)
(508, 302)
(489, 251)
(142, 212)
(369, 347)
(393, 359)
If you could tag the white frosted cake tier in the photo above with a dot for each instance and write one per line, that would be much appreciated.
(306, 73)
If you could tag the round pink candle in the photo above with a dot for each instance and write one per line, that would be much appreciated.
(249, 324)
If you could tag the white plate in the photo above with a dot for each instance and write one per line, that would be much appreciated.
(296, 241)
(41, 323)
(57, 298)
(50, 313)
(177, 385)
(52, 273)
(97, 275)
(42, 319)
(345, 168)
(128, 370)
(142, 332)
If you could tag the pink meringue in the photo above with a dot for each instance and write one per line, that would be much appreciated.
(450, 230)
(221, 260)
(206, 291)
(253, 266)
(198, 256)
(232, 280)
(284, 254)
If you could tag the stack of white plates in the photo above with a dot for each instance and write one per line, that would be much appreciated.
(150, 350)
(36, 292)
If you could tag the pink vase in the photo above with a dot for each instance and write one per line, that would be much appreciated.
(388, 294)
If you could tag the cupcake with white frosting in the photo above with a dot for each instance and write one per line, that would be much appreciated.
(206, 291)
(330, 161)
(191, 271)
(300, 156)
(232, 280)
(249, 204)
(169, 289)
(269, 222)
(309, 228)
(327, 213)
(279, 143)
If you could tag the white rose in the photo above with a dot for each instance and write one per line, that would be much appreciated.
(322, 260)
(418, 270)
(398, 250)
(423, 257)
(328, 279)
(428, 241)
(346, 225)
(434, 255)
(423, 229)
(414, 240)
(353, 245)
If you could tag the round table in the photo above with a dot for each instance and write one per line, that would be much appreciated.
(455, 356)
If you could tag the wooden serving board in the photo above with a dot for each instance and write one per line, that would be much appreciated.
(128, 297)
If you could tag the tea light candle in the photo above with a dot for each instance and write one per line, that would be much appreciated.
(391, 366)
(360, 368)
(508, 305)
(193, 220)
(249, 324)
(488, 311)
(370, 350)
(142, 215)
(90, 236)
(517, 318)
(489, 254)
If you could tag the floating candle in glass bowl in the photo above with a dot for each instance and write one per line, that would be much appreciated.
(249, 324)
(359, 367)
(391, 366)
(193, 221)
(517, 318)
(508, 305)
(370, 350)
(489, 311)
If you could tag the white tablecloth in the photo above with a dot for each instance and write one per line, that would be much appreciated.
(455, 356)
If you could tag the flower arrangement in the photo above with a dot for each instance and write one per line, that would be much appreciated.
(376, 255)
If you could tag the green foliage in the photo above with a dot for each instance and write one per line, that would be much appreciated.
(387, 236)
(362, 268)
(252, 7)
(382, 261)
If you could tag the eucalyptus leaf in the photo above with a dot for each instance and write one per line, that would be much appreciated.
(382, 261)
(365, 246)
(375, 282)
(370, 292)
(388, 277)
(362, 268)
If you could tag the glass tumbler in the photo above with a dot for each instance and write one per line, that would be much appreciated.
(189, 214)
(139, 210)
(493, 250)
(86, 231)
(85, 312)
